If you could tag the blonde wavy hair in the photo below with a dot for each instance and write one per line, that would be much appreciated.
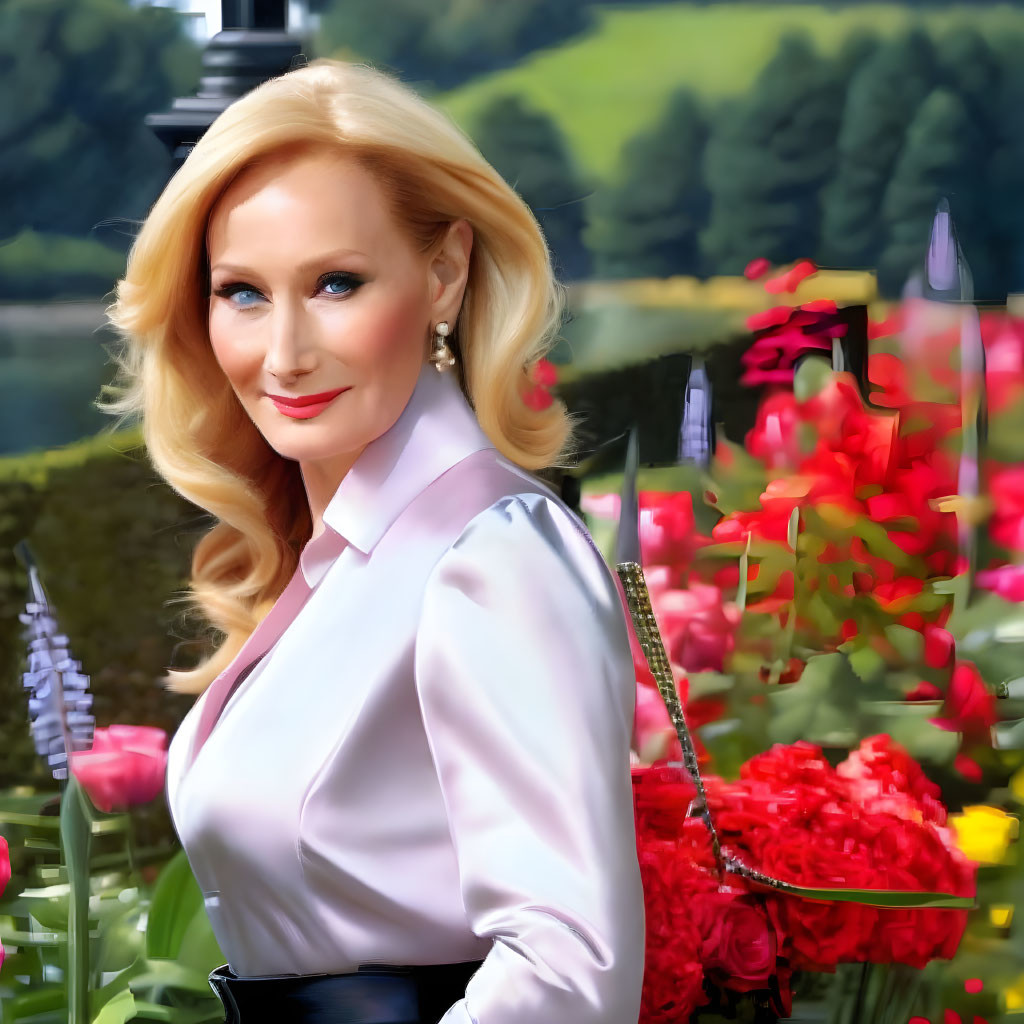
(197, 434)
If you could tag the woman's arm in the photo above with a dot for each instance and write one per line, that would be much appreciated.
(526, 686)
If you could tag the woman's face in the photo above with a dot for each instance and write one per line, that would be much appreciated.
(315, 291)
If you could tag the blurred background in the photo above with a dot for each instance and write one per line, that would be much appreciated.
(742, 199)
(653, 141)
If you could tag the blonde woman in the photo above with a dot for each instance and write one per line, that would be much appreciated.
(404, 788)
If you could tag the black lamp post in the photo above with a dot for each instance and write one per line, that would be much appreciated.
(252, 46)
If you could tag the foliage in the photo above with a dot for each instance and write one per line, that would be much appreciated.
(716, 50)
(769, 157)
(36, 266)
(81, 75)
(829, 601)
(446, 43)
(648, 222)
(141, 940)
(883, 95)
(526, 148)
(108, 569)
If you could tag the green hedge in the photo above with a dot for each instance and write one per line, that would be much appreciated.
(113, 542)
(36, 266)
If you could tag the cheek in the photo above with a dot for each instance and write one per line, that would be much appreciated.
(392, 328)
(236, 359)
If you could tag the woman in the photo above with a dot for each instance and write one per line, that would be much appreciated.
(405, 787)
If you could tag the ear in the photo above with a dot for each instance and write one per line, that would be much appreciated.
(449, 272)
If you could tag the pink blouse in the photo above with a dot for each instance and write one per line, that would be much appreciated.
(430, 763)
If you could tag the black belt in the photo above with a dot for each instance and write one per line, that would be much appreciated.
(375, 994)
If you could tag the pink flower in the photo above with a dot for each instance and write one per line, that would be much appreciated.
(698, 625)
(1005, 580)
(653, 732)
(601, 506)
(757, 268)
(543, 376)
(668, 534)
(788, 281)
(5, 877)
(126, 765)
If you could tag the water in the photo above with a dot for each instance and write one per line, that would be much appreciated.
(48, 381)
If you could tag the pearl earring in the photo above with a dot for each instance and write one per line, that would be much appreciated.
(441, 356)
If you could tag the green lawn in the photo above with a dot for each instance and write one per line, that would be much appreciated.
(606, 86)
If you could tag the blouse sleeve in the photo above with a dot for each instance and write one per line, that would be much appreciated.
(526, 686)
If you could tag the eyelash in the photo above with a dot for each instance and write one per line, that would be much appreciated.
(228, 290)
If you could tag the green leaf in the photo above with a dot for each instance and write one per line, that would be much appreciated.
(811, 377)
(118, 1010)
(908, 642)
(176, 898)
(1009, 735)
(75, 834)
(707, 684)
(199, 948)
(820, 707)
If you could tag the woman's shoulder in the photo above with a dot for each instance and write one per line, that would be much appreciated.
(518, 520)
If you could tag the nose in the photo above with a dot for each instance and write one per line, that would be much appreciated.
(290, 348)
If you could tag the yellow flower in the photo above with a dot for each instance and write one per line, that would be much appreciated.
(1014, 995)
(983, 833)
(1001, 914)
(1017, 785)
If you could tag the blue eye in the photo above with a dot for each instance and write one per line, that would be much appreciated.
(350, 281)
(345, 282)
(230, 290)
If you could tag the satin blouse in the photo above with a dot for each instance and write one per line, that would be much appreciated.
(430, 760)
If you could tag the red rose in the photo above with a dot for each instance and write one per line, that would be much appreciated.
(818, 934)
(737, 942)
(662, 794)
(673, 982)
(785, 764)
(970, 707)
(882, 775)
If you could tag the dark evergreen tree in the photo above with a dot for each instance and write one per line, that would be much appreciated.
(859, 46)
(648, 223)
(526, 147)
(937, 160)
(1006, 197)
(78, 77)
(445, 42)
(972, 69)
(769, 155)
(883, 96)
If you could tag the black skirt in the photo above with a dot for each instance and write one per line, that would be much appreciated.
(375, 994)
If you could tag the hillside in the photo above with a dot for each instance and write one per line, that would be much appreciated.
(606, 86)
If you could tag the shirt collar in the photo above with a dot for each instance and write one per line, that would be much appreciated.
(436, 430)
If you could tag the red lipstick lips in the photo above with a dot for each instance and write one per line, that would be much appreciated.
(305, 407)
(300, 400)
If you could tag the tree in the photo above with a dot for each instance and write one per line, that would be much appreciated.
(526, 148)
(971, 68)
(767, 159)
(445, 42)
(884, 95)
(648, 224)
(936, 161)
(1006, 196)
(79, 77)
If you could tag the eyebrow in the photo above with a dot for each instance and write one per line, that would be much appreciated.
(316, 261)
